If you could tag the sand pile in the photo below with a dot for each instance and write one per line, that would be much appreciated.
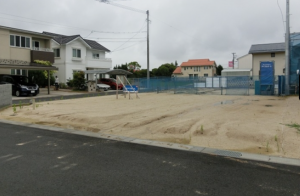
(255, 124)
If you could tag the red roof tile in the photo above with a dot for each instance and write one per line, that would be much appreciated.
(177, 70)
(198, 62)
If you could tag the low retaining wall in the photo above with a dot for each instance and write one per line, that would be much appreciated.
(5, 95)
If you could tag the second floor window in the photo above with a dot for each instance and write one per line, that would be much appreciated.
(56, 52)
(95, 56)
(19, 41)
(77, 53)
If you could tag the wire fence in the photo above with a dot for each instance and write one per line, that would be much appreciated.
(222, 85)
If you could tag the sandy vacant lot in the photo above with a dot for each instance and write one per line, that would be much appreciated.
(254, 124)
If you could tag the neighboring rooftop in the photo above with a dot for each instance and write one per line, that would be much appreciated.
(267, 48)
(26, 31)
(177, 70)
(64, 39)
(198, 62)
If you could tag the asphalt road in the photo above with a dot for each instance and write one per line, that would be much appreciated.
(39, 162)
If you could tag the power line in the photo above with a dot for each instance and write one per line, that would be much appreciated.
(40, 22)
(129, 39)
(125, 48)
(116, 38)
(281, 15)
(122, 6)
(124, 41)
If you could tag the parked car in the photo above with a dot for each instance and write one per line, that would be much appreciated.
(111, 82)
(105, 87)
(21, 85)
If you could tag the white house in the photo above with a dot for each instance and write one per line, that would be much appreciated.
(73, 53)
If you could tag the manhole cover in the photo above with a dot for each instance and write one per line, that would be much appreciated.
(228, 153)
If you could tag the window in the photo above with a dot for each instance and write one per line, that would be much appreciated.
(56, 52)
(272, 54)
(190, 76)
(195, 76)
(205, 75)
(20, 41)
(27, 42)
(96, 56)
(77, 53)
(23, 42)
(184, 68)
(12, 40)
(36, 44)
(18, 72)
(205, 67)
(283, 70)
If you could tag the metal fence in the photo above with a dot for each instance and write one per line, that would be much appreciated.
(222, 85)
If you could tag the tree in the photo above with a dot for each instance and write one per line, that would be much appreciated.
(176, 64)
(134, 66)
(78, 79)
(123, 66)
(166, 69)
(219, 70)
(40, 77)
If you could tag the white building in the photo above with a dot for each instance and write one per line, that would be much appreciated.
(73, 53)
(245, 62)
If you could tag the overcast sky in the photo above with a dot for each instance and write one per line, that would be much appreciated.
(179, 29)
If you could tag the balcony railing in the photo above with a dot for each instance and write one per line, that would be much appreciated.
(100, 59)
(42, 49)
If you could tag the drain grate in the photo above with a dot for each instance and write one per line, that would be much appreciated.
(228, 153)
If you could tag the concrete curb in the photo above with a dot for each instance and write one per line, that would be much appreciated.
(176, 146)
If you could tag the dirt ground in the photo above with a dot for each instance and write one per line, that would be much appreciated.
(254, 124)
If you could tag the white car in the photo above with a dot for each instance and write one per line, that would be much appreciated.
(103, 86)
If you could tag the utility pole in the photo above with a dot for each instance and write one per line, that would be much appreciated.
(148, 74)
(287, 49)
(233, 60)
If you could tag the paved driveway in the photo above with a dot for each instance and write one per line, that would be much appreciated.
(39, 162)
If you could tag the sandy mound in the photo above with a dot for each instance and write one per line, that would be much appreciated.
(254, 124)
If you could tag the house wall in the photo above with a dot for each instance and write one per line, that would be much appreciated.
(190, 70)
(279, 62)
(43, 43)
(5, 95)
(67, 64)
(245, 62)
(17, 53)
(5, 45)
(102, 62)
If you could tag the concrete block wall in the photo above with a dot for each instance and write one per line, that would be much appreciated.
(5, 95)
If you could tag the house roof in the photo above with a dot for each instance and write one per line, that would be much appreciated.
(198, 62)
(64, 39)
(266, 48)
(26, 31)
(243, 56)
(177, 70)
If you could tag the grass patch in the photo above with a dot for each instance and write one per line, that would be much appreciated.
(294, 125)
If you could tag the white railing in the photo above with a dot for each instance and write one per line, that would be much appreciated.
(42, 49)
(100, 59)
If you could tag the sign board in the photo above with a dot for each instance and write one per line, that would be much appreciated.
(266, 73)
(230, 64)
(132, 88)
